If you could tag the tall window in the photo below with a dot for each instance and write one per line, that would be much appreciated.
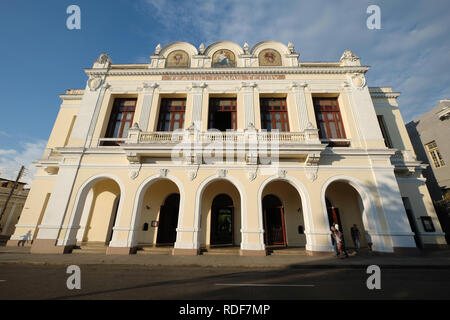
(121, 118)
(434, 154)
(384, 132)
(274, 114)
(222, 114)
(328, 117)
(171, 114)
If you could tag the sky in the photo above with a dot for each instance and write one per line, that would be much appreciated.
(41, 57)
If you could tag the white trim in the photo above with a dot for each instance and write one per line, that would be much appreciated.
(137, 204)
(370, 217)
(198, 207)
(306, 206)
(77, 210)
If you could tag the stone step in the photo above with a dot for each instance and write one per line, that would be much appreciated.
(89, 250)
(288, 252)
(220, 251)
(154, 251)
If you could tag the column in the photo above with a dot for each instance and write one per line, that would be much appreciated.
(87, 116)
(399, 230)
(52, 222)
(249, 105)
(197, 94)
(364, 113)
(300, 99)
(144, 118)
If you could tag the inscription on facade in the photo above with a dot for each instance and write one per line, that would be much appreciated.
(225, 77)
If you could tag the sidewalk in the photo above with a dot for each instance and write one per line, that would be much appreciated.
(432, 259)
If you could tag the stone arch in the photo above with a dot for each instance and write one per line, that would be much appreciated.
(80, 200)
(198, 204)
(370, 217)
(305, 202)
(225, 45)
(178, 45)
(137, 205)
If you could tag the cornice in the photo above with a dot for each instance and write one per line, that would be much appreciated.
(226, 71)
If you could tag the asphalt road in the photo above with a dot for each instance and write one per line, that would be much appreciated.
(194, 283)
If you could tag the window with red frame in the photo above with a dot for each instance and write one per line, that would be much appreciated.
(171, 114)
(121, 118)
(274, 114)
(329, 119)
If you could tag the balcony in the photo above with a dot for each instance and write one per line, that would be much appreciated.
(193, 145)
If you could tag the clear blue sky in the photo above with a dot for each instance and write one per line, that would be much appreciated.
(41, 58)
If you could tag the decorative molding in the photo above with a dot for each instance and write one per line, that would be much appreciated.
(94, 82)
(222, 173)
(282, 173)
(229, 71)
(163, 172)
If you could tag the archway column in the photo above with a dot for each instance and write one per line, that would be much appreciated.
(318, 235)
(119, 243)
(187, 242)
(398, 232)
(252, 227)
(51, 228)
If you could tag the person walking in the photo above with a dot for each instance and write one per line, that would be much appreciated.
(339, 237)
(355, 236)
(333, 241)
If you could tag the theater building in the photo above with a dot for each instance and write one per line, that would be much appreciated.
(233, 146)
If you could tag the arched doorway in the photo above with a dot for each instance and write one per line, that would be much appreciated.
(219, 202)
(158, 206)
(222, 220)
(168, 220)
(274, 225)
(99, 212)
(345, 208)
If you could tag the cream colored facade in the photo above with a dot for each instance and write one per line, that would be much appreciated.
(75, 195)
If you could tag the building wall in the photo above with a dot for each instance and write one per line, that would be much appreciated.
(71, 167)
(425, 129)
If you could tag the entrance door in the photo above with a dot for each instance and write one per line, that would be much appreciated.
(168, 220)
(274, 228)
(222, 220)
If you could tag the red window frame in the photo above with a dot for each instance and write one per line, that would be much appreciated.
(121, 118)
(329, 119)
(274, 114)
(171, 114)
(219, 105)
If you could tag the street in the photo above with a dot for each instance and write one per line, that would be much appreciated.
(25, 281)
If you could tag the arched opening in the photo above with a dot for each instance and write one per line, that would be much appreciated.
(220, 215)
(100, 206)
(274, 225)
(345, 208)
(168, 220)
(222, 210)
(158, 212)
(282, 213)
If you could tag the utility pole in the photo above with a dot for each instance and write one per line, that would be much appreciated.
(19, 175)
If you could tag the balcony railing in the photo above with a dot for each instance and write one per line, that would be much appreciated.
(136, 136)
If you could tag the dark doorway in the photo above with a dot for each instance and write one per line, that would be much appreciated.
(222, 212)
(274, 228)
(112, 221)
(412, 222)
(168, 220)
